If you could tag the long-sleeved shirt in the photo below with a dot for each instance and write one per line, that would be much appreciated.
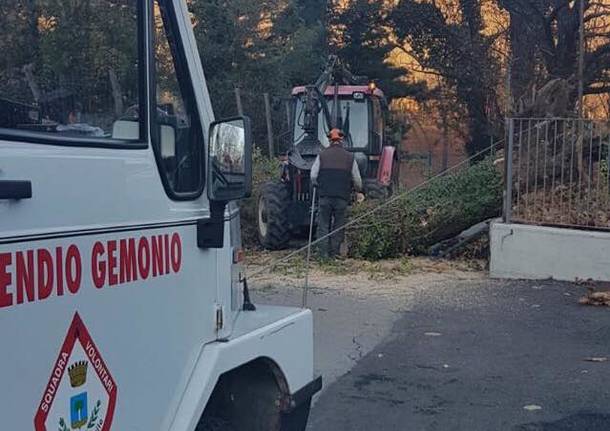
(356, 179)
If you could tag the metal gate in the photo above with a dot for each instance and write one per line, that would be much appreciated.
(557, 172)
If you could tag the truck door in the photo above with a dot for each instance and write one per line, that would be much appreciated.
(105, 298)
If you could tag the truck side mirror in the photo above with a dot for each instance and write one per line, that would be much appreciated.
(229, 173)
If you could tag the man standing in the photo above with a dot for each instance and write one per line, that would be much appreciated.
(333, 173)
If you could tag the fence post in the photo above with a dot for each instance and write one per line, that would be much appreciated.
(508, 175)
(269, 125)
(445, 156)
(287, 105)
(240, 109)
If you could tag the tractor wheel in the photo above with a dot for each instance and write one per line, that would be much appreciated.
(272, 216)
(374, 190)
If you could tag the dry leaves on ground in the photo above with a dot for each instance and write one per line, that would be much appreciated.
(595, 298)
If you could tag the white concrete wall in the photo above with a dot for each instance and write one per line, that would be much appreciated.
(538, 252)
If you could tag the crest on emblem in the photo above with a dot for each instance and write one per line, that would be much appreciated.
(79, 407)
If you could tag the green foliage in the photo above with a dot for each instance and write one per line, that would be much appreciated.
(263, 169)
(441, 209)
(259, 47)
(70, 48)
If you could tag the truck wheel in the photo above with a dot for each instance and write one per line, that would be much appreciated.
(376, 191)
(214, 424)
(296, 420)
(272, 216)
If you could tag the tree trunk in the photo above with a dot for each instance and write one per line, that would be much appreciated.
(28, 71)
(475, 90)
(522, 56)
(117, 94)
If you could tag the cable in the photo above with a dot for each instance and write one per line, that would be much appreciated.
(393, 199)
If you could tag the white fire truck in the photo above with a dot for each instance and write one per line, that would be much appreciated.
(121, 286)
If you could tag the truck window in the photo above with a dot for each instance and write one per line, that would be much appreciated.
(177, 134)
(70, 69)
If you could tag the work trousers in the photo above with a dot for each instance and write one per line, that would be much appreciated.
(331, 215)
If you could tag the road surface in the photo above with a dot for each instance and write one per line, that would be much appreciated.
(355, 310)
(482, 355)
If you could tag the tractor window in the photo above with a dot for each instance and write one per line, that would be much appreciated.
(299, 134)
(378, 125)
(355, 117)
(177, 133)
(70, 70)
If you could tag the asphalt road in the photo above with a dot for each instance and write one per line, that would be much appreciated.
(485, 356)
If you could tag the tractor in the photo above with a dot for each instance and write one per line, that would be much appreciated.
(337, 99)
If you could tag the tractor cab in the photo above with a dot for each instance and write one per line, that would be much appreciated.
(361, 115)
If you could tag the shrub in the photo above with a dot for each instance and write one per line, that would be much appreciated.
(439, 210)
(263, 170)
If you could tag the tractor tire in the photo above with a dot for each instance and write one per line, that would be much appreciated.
(376, 191)
(272, 216)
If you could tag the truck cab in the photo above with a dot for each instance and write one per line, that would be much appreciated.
(121, 281)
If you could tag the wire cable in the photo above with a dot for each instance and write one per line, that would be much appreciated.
(273, 263)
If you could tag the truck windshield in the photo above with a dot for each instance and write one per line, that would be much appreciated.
(354, 114)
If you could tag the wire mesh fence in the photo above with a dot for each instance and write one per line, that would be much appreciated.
(557, 172)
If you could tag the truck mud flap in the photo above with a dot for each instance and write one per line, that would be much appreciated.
(304, 394)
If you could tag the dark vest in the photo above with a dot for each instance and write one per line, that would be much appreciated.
(335, 177)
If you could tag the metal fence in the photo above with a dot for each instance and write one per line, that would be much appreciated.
(557, 172)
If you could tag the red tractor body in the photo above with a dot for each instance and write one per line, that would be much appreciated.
(360, 111)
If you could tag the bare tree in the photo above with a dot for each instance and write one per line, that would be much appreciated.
(544, 44)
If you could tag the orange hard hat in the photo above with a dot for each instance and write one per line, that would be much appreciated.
(335, 135)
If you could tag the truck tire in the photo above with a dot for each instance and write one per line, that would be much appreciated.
(296, 420)
(272, 216)
(214, 424)
(376, 191)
